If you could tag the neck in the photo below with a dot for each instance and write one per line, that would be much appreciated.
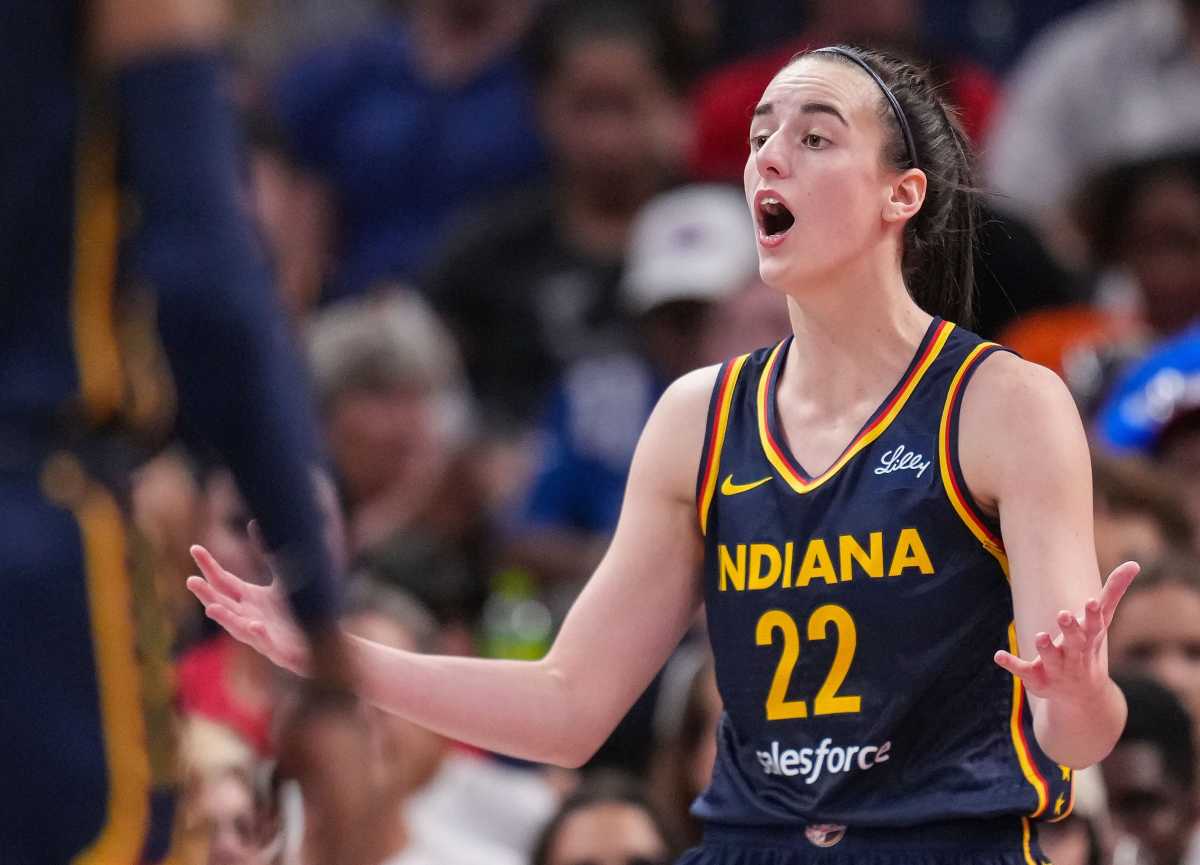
(853, 336)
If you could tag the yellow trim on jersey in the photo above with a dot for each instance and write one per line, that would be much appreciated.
(877, 428)
(957, 499)
(93, 284)
(1024, 757)
(1026, 842)
(111, 603)
(720, 425)
(986, 538)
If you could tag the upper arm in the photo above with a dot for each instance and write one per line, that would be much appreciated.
(643, 595)
(1024, 454)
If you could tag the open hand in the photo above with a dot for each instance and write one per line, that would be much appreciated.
(1071, 663)
(256, 615)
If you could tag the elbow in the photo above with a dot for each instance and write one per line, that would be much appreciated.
(576, 753)
(581, 727)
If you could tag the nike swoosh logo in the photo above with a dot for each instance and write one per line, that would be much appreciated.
(729, 488)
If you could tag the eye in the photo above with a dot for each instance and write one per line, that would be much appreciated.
(813, 141)
(757, 140)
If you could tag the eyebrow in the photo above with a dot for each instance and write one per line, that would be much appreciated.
(807, 108)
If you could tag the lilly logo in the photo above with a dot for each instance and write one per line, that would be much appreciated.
(900, 459)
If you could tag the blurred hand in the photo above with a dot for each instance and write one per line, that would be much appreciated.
(255, 615)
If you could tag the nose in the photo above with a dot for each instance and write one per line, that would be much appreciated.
(772, 158)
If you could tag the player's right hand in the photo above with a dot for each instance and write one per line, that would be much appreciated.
(256, 615)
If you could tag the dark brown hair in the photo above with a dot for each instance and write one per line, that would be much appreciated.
(600, 788)
(939, 241)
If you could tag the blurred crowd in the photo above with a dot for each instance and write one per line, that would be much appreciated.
(501, 227)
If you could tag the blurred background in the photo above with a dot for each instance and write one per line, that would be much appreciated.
(499, 229)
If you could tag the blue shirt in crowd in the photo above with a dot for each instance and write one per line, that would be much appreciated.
(402, 154)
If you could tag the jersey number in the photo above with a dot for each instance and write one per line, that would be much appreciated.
(828, 701)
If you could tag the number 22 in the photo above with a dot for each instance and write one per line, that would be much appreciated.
(827, 701)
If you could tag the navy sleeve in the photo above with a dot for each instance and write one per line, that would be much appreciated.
(238, 381)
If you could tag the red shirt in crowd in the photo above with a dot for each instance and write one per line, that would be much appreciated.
(205, 690)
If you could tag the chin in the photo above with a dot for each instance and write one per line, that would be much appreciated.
(777, 273)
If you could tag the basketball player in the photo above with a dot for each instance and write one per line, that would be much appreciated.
(889, 520)
(117, 140)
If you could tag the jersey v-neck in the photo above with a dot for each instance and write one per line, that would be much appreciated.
(771, 431)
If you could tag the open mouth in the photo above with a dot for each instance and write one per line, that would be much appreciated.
(775, 218)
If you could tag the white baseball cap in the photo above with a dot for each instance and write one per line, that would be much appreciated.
(692, 243)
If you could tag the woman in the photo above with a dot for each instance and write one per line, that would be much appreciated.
(606, 821)
(853, 613)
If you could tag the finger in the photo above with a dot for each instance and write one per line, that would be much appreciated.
(239, 627)
(1029, 672)
(1052, 656)
(1073, 637)
(225, 582)
(1115, 586)
(205, 593)
(1093, 620)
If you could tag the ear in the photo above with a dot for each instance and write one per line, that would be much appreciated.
(906, 196)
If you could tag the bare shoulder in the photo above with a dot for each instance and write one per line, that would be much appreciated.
(691, 392)
(674, 436)
(1014, 393)
(1019, 423)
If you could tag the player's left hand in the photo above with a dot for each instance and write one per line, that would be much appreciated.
(1072, 664)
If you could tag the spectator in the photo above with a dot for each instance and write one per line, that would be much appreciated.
(1113, 81)
(425, 114)
(533, 284)
(166, 510)
(723, 100)
(1150, 776)
(225, 812)
(397, 419)
(689, 249)
(1155, 410)
(1139, 512)
(1158, 634)
(292, 214)
(446, 807)
(1141, 221)
(1141, 224)
(607, 821)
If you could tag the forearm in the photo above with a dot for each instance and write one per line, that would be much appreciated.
(239, 385)
(526, 709)
(1080, 732)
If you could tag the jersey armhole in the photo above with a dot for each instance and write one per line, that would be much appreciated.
(714, 437)
(982, 525)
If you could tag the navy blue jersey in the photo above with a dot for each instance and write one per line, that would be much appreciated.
(854, 615)
(131, 296)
